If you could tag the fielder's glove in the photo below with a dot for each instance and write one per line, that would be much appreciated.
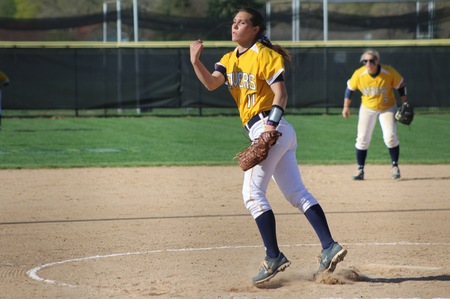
(405, 114)
(258, 150)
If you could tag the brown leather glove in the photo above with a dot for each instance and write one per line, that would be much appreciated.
(258, 150)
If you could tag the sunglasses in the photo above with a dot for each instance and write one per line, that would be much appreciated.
(372, 61)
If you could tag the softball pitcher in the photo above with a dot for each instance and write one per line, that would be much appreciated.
(254, 74)
(376, 83)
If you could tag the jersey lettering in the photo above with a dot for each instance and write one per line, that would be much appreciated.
(375, 91)
(241, 80)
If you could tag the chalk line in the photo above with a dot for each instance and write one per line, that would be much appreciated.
(33, 273)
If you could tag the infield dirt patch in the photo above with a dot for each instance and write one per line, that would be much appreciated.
(184, 232)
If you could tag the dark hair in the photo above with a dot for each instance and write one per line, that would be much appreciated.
(257, 19)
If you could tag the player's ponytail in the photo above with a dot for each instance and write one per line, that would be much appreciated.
(283, 51)
(257, 19)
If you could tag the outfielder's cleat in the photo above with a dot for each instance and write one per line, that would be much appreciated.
(270, 267)
(359, 176)
(331, 257)
(395, 173)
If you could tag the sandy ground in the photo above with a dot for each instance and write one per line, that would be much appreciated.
(183, 232)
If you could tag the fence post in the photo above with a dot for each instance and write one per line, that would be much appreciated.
(76, 80)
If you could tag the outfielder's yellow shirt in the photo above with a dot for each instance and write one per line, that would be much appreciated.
(249, 77)
(377, 93)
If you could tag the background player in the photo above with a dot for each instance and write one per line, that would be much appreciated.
(254, 74)
(376, 83)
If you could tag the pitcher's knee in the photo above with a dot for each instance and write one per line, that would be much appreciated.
(302, 200)
(257, 208)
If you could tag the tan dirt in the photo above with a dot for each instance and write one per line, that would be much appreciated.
(183, 232)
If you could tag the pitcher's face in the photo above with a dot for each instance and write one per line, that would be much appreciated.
(242, 29)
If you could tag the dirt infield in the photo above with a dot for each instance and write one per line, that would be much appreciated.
(184, 232)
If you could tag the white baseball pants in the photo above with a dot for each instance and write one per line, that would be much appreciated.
(281, 166)
(366, 123)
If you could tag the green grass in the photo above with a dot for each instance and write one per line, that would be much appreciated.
(171, 141)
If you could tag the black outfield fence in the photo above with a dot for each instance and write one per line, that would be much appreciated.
(149, 75)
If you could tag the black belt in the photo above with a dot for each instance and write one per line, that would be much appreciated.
(256, 119)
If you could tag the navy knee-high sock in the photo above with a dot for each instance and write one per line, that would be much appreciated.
(395, 154)
(316, 217)
(267, 229)
(361, 158)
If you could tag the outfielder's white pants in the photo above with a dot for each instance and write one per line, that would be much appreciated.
(281, 165)
(366, 123)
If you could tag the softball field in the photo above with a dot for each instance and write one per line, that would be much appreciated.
(183, 232)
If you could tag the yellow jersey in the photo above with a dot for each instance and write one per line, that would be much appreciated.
(249, 76)
(377, 93)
